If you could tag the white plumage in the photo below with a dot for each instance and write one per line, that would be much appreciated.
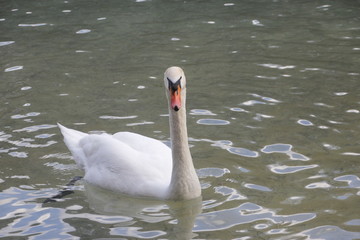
(124, 162)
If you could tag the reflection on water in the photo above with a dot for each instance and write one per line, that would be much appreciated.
(273, 119)
(180, 216)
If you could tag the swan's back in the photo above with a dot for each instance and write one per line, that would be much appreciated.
(123, 162)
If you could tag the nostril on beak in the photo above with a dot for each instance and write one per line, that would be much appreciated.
(176, 108)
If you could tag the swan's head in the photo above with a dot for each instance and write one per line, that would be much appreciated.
(175, 83)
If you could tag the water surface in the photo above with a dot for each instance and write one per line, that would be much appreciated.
(273, 115)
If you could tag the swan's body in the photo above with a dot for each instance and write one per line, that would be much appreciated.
(137, 165)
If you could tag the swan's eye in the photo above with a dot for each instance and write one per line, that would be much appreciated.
(174, 86)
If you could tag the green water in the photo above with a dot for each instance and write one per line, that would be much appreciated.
(273, 115)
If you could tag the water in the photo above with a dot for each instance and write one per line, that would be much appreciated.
(273, 115)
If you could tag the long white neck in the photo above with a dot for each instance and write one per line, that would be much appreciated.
(184, 181)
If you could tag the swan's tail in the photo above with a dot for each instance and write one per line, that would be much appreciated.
(72, 140)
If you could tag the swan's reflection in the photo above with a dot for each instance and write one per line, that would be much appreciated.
(180, 215)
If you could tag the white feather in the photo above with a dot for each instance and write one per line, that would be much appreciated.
(124, 162)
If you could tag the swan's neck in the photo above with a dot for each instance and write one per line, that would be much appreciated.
(184, 181)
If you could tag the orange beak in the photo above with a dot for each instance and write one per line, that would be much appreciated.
(175, 97)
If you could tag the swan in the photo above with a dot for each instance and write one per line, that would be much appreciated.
(137, 165)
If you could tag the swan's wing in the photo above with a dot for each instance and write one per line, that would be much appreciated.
(116, 165)
(150, 151)
(142, 143)
(124, 162)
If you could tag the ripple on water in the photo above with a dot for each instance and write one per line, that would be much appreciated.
(35, 128)
(284, 169)
(294, 200)
(31, 219)
(354, 222)
(236, 109)
(352, 111)
(45, 135)
(28, 218)
(30, 114)
(267, 99)
(323, 105)
(14, 68)
(305, 122)
(139, 123)
(201, 112)
(6, 43)
(252, 102)
(264, 100)
(277, 66)
(243, 152)
(83, 31)
(257, 187)
(232, 193)
(136, 232)
(316, 185)
(215, 122)
(325, 232)
(18, 154)
(212, 172)
(32, 24)
(352, 180)
(61, 166)
(247, 213)
(284, 148)
(117, 117)
(351, 154)
(259, 117)
(227, 145)
(330, 146)
(25, 88)
(277, 148)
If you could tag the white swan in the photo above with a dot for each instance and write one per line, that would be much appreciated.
(137, 165)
